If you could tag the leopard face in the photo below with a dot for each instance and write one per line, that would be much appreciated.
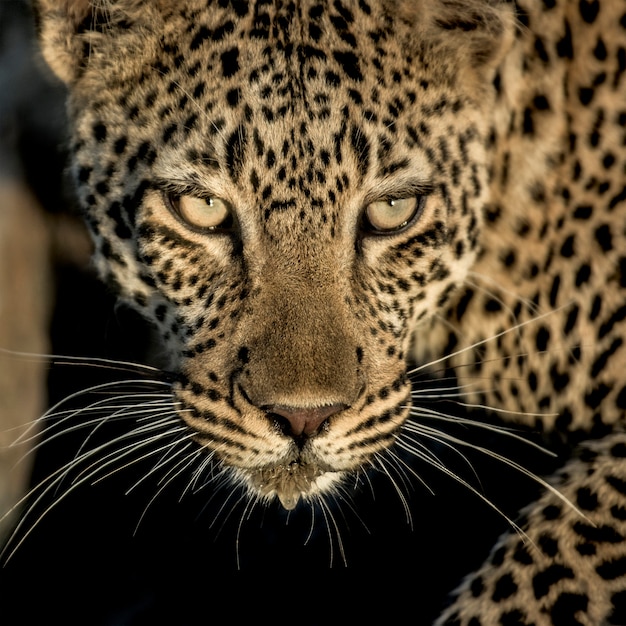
(286, 190)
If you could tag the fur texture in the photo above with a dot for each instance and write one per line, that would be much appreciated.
(289, 321)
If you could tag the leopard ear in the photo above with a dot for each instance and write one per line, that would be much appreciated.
(474, 34)
(71, 31)
(60, 25)
(480, 30)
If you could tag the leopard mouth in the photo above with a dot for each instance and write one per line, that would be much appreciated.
(290, 482)
(299, 475)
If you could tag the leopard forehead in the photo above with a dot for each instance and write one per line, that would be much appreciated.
(280, 109)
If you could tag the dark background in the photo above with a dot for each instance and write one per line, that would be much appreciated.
(199, 561)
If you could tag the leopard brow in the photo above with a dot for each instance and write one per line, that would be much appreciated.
(182, 188)
(398, 192)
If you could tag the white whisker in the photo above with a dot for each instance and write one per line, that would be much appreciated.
(247, 511)
(108, 386)
(505, 411)
(445, 470)
(180, 467)
(534, 320)
(192, 483)
(429, 413)
(124, 451)
(330, 519)
(56, 359)
(440, 436)
(382, 463)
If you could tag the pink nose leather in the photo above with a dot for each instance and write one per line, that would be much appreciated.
(305, 421)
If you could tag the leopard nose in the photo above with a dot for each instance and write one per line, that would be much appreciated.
(303, 421)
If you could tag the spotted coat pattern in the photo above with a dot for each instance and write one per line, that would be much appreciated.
(288, 323)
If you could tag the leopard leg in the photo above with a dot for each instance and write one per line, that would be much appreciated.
(570, 565)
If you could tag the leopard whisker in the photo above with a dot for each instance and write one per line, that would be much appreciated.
(83, 361)
(504, 411)
(222, 508)
(329, 520)
(52, 481)
(167, 459)
(433, 394)
(408, 447)
(165, 450)
(126, 450)
(45, 437)
(427, 455)
(346, 497)
(402, 469)
(428, 413)
(382, 463)
(420, 430)
(363, 475)
(138, 414)
(165, 419)
(312, 503)
(455, 390)
(108, 386)
(59, 473)
(192, 484)
(534, 320)
(220, 477)
(246, 513)
(167, 479)
(515, 295)
(91, 472)
(243, 497)
(499, 300)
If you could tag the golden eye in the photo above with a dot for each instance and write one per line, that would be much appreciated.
(388, 216)
(202, 213)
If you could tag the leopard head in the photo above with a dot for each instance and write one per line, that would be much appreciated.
(286, 189)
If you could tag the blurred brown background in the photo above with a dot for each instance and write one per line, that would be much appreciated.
(37, 234)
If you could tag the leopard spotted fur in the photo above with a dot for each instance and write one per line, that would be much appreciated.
(306, 196)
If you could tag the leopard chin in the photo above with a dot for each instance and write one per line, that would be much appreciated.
(291, 481)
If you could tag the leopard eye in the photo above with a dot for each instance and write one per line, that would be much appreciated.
(389, 216)
(207, 214)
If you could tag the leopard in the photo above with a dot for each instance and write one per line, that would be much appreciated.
(312, 200)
